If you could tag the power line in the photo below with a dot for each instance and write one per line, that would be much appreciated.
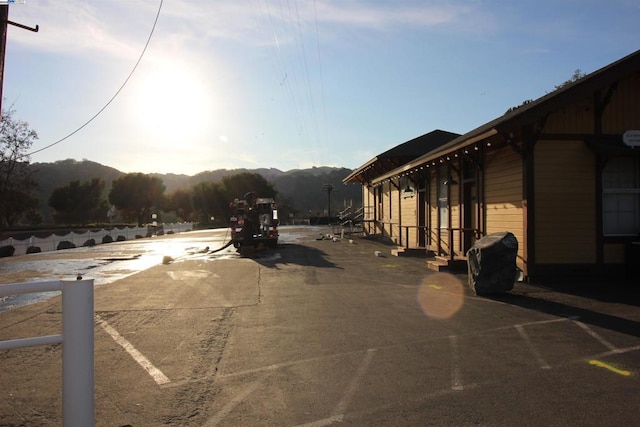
(117, 92)
(324, 109)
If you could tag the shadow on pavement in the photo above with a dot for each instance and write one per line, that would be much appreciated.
(584, 315)
(615, 292)
(291, 253)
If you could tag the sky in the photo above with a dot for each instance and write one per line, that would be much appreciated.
(185, 86)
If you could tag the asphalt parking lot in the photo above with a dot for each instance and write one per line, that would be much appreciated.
(319, 333)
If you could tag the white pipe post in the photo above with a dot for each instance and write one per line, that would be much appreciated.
(77, 353)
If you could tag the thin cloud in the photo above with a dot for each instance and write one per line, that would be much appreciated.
(81, 28)
(119, 28)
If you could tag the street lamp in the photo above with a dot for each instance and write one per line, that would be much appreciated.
(328, 188)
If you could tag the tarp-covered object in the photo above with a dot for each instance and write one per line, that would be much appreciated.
(492, 263)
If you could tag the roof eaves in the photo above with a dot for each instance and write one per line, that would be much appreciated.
(526, 112)
(451, 147)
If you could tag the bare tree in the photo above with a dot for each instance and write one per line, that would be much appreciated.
(16, 183)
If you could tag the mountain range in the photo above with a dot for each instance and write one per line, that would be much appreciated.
(302, 188)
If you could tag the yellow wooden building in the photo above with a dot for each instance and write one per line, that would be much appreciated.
(562, 173)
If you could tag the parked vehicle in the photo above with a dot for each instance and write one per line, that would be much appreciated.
(254, 221)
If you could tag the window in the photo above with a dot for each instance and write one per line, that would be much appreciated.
(621, 197)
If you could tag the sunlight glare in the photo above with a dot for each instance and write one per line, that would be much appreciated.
(172, 101)
(441, 295)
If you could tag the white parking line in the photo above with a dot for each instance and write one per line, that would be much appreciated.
(155, 373)
(456, 376)
(534, 351)
(231, 405)
(355, 381)
(595, 335)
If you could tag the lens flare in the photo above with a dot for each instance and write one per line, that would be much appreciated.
(441, 295)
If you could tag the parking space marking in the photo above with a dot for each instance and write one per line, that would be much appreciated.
(355, 381)
(140, 359)
(456, 377)
(619, 351)
(595, 335)
(231, 405)
(543, 363)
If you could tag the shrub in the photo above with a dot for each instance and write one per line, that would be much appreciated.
(107, 239)
(34, 250)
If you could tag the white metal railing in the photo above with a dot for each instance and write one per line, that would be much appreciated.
(77, 341)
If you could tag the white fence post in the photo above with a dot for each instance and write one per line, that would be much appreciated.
(77, 353)
(77, 345)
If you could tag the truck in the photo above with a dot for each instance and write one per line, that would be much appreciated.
(253, 221)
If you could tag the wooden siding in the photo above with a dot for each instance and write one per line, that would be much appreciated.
(503, 196)
(622, 112)
(409, 218)
(384, 215)
(574, 118)
(565, 209)
(394, 216)
(454, 207)
(433, 211)
(368, 202)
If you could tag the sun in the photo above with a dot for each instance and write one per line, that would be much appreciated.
(171, 100)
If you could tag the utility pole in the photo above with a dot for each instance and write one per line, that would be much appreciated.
(4, 21)
(328, 188)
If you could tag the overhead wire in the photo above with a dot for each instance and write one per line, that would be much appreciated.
(265, 20)
(117, 92)
(305, 67)
(293, 71)
(322, 99)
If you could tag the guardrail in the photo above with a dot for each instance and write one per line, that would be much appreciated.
(77, 341)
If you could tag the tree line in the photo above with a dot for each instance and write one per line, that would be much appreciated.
(133, 198)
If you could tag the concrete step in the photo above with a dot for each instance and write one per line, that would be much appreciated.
(415, 252)
(437, 264)
(444, 263)
(397, 251)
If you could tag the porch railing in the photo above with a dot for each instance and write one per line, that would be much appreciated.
(432, 238)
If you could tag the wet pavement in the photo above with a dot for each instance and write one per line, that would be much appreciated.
(107, 263)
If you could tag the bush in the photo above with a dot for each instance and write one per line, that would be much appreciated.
(120, 238)
(90, 243)
(7, 251)
(34, 250)
(107, 239)
(65, 244)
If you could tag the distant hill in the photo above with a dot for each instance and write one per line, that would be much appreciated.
(302, 188)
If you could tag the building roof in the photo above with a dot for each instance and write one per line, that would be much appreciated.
(400, 155)
(528, 113)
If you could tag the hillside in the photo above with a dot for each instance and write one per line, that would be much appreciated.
(302, 188)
